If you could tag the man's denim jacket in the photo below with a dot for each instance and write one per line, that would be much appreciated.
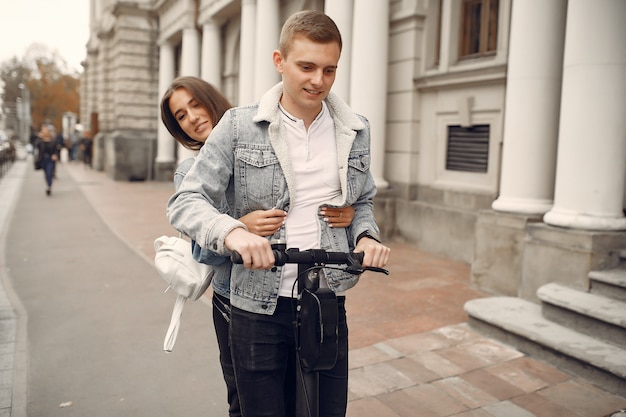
(246, 161)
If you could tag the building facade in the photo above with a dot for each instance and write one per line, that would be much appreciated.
(498, 128)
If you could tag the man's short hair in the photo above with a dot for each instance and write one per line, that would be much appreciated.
(310, 24)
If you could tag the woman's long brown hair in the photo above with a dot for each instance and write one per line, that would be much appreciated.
(205, 94)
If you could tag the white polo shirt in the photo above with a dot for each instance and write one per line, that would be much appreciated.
(314, 160)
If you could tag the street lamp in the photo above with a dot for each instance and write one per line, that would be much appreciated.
(19, 115)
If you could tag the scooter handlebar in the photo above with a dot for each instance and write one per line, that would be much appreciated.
(309, 256)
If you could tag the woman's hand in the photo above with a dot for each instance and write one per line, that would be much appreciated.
(337, 217)
(264, 222)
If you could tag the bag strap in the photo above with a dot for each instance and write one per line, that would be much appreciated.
(172, 331)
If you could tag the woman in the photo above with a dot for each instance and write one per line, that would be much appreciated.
(190, 108)
(47, 155)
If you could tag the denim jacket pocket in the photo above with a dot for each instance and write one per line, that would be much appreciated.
(260, 176)
(358, 169)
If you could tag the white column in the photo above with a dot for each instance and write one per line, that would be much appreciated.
(211, 65)
(341, 13)
(165, 143)
(246, 51)
(591, 163)
(368, 87)
(190, 66)
(190, 61)
(267, 35)
(533, 94)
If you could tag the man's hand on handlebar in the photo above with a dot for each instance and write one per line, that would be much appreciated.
(255, 251)
(375, 254)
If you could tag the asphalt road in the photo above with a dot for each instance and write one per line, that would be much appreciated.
(92, 317)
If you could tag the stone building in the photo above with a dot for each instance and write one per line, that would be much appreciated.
(498, 128)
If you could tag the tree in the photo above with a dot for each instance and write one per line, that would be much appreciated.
(53, 91)
(13, 75)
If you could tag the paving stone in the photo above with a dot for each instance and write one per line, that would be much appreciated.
(542, 406)
(474, 413)
(404, 405)
(457, 333)
(490, 351)
(512, 374)
(367, 356)
(413, 370)
(463, 359)
(491, 384)
(436, 363)
(376, 379)
(463, 391)
(419, 342)
(369, 407)
(389, 350)
(584, 399)
(541, 370)
(435, 399)
(507, 409)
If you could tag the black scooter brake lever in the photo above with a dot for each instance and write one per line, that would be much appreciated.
(358, 269)
(376, 269)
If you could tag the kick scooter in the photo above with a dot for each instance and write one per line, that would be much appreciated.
(316, 316)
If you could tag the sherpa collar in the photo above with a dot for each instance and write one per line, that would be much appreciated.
(268, 108)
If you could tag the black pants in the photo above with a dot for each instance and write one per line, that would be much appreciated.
(221, 321)
(48, 166)
(264, 356)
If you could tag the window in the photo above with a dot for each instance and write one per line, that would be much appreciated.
(479, 28)
(468, 148)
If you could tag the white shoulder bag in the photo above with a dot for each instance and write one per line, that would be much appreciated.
(189, 278)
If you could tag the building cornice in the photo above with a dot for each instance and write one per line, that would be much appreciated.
(461, 76)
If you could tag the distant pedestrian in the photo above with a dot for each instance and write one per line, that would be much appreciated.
(33, 136)
(74, 142)
(47, 154)
(85, 145)
(58, 139)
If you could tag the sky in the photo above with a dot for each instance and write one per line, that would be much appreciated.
(60, 25)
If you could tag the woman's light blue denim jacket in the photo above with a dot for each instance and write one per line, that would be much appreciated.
(246, 161)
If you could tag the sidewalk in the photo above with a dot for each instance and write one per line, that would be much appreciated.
(412, 352)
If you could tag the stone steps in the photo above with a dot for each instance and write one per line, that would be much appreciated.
(521, 323)
(582, 332)
(595, 315)
(611, 282)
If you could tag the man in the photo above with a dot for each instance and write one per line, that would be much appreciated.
(298, 149)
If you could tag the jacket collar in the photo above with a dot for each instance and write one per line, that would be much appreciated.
(268, 108)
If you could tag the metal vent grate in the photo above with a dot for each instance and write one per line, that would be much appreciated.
(468, 148)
